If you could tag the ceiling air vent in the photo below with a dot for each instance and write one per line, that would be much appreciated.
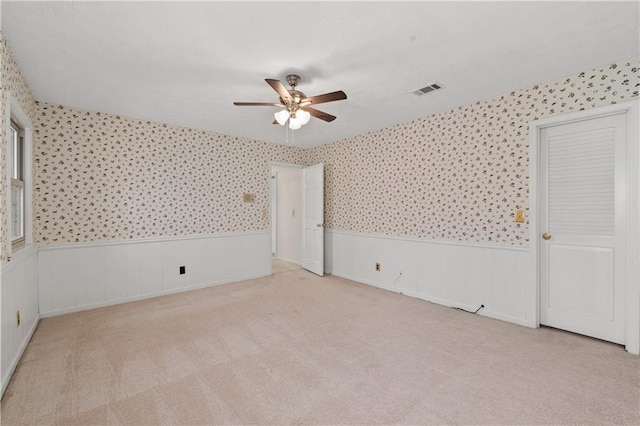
(426, 89)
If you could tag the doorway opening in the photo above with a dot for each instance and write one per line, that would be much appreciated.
(286, 217)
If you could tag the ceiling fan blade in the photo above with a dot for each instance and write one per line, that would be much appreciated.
(327, 97)
(279, 87)
(257, 104)
(319, 114)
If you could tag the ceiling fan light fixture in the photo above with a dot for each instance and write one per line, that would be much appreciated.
(282, 116)
(293, 101)
(303, 116)
(294, 123)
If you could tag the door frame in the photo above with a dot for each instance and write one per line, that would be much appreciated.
(273, 164)
(273, 211)
(632, 111)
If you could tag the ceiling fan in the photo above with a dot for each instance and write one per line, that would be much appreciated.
(297, 106)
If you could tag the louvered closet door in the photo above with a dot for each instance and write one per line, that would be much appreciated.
(582, 212)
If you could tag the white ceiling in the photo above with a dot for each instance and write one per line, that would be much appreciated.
(186, 63)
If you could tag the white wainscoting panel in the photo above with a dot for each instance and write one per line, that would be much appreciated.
(458, 274)
(76, 277)
(19, 286)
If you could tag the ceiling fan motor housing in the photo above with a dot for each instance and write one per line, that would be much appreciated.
(293, 80)
(296, 95)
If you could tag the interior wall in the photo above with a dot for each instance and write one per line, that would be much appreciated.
(18, 277)
(13, 82)
(123, 204)
(459, 175)
(433, 200)
(76, 277)
(106, 177)
(289, 215)
(19, 293)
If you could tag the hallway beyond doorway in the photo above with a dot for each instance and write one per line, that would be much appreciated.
(283, 266)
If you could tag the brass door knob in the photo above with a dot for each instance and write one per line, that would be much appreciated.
(546, 236)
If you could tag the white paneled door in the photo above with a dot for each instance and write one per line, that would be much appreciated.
(313, 213)
(582, 224)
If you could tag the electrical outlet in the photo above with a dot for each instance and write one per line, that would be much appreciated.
(377, 266)
(183, 270)
(18, 318)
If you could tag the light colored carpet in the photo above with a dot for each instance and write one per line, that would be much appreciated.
(296, 348)
(279, 266)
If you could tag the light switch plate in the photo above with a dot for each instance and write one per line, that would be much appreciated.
(248, 198)
(519, 216)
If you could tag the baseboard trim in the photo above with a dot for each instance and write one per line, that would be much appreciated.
(444, 302)
(367, 282)
(482, 312)
(137, 298)
(284, 259)
(14, 363)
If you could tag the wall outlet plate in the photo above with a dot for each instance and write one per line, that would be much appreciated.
(248, 198)
(183, 270)
(377, 266)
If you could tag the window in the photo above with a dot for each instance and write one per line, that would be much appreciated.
(17, 196)
(18, 178)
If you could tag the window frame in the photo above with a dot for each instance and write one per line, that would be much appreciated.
(17, 180)
(17, 119)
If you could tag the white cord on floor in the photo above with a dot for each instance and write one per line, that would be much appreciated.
(396, 280)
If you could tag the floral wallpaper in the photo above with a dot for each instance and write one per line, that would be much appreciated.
(11, 81)
(459, 175)
(102, 177)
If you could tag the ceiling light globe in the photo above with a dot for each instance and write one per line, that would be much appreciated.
(303, 116)
(281, 116)
(294, 124)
